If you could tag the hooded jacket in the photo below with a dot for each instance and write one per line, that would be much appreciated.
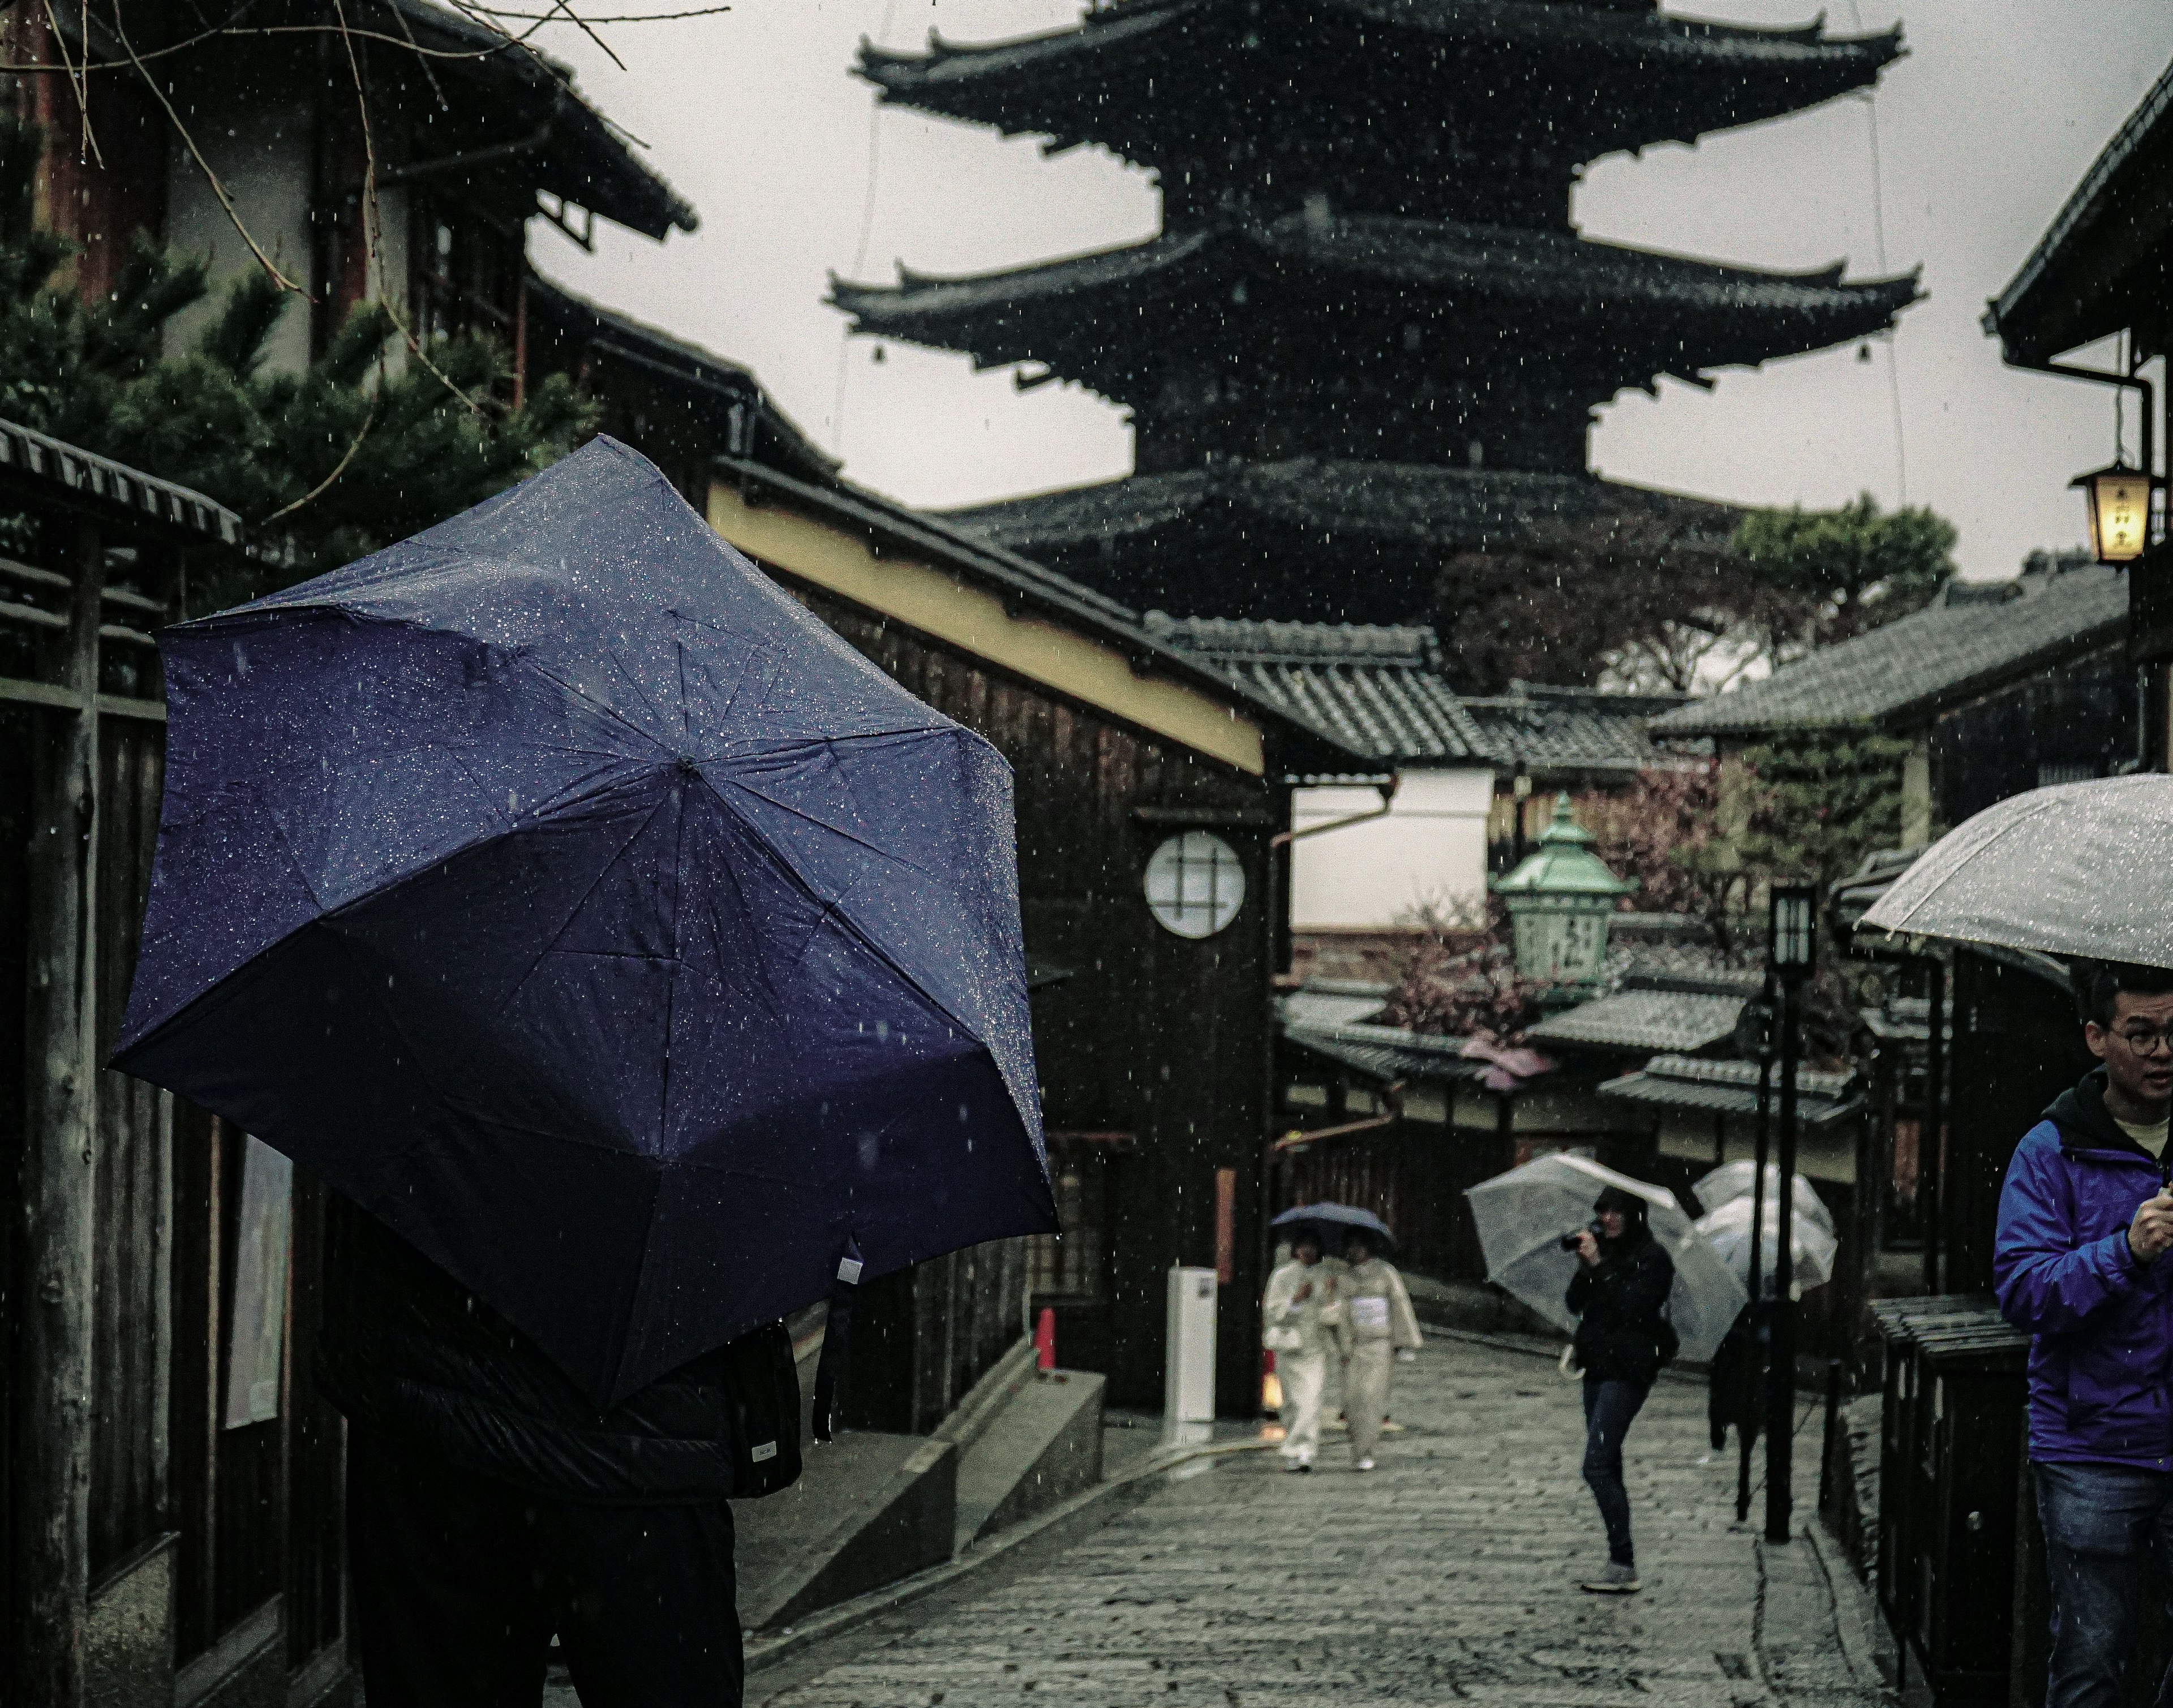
(2102, 1361)
(1621, 1302)
(410, 1353)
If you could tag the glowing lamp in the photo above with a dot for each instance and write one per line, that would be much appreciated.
(2120, 512)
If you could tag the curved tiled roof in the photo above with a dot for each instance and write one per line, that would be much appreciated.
(83, 477)
(1424, 504)
(1054, 310)
(1374, 687)
(1541, 730)
(1973, 638)
(1647, 76)
(1677, 1021)
(1697, 1085)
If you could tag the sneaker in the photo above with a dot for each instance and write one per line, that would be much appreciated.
(1363, 1465)
(1613, 1580)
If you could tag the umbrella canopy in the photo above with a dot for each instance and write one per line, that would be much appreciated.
(1339, 1219)
(1734, 1180)
(1524, 1215)
(2077, 870)
(572, 899)
(1811, 1243)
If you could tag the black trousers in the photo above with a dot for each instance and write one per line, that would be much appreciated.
(460, 1583)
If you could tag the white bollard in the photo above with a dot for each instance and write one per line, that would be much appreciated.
(1188, 1389)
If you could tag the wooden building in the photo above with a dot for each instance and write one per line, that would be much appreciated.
(1368, 334)
(1997, 686)
(167, 1538)
(1152, 797)
(469, 139)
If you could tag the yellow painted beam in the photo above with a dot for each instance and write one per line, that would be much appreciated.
(944, 606)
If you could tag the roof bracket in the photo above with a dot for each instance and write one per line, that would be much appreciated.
(558, 214)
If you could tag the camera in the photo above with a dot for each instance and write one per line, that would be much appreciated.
(1569, 1240)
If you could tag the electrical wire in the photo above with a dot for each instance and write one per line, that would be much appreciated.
(860, 249)
(1879, 248)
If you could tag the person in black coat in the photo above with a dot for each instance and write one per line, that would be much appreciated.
(1619, 1294)
(491, 1505)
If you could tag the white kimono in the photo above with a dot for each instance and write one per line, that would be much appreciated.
(1379, 1323)
(1301, 1332)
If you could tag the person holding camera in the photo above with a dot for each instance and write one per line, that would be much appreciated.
(1619, 1294)
(2085, 1221)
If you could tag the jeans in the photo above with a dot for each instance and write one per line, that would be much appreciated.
(1610, 1408)
(460, 1581)
(2098, 1521)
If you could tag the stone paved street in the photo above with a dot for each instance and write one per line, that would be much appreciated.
(1445, 1576)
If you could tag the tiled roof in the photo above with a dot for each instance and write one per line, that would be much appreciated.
(580, 156)
(1972, 639)
(1731, 1088)
(1674, 1020)
(2061, 290)
(1333, 1002)
(1541, 730)
(1375, 688)
(1687, 75)
(41, 460)
(1421, 503)
(1387, 1052)
(1049, 311)
(1031, 585)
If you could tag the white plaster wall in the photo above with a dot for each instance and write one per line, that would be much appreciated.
(1430, 851)
(261, 149)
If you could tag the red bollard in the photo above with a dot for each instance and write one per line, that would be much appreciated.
(1044, 1340)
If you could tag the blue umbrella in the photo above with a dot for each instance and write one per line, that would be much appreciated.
(572, 899)
(1341, 1218)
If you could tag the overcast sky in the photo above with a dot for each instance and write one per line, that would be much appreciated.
(1982, 131)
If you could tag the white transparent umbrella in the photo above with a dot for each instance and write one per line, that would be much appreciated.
(2077, 869)
(1734, 1180)
(1524, 1215)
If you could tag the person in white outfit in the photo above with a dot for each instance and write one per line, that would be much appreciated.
(1379, 1326)
(1303, 1323)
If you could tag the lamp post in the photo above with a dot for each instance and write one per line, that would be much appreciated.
(2120, 511)
(1560, 898)
(1791, 946)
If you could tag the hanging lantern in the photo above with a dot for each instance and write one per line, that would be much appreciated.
(2120, 512)
(1560, 900)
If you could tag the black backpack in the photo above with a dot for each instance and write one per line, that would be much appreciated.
(765, 1412)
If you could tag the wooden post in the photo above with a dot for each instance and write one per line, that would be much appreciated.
(59, 1167)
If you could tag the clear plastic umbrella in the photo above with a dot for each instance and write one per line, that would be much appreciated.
(2035, 872)
(1726, 1227)
(1523, 1216)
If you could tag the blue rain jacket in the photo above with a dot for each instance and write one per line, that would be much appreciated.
(2102, 1363)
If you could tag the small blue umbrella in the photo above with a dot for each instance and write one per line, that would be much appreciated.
(1339, 1218)
(572, 899)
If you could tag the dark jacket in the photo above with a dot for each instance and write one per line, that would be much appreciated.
(1622, 1331)
(408, 1352)
(2101, 1367)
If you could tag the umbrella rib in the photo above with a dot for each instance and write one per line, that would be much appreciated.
(574, 912)
(1946, 878)
(586, 699)
(837, 830)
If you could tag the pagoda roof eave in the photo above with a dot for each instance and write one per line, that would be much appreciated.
(1044, 84)
(1419, 503)
(1043, 312)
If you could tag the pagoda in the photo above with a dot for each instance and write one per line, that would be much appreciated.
(1367, 334)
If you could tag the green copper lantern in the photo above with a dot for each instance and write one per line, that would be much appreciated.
(1560, 900)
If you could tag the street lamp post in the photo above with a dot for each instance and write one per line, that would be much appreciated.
(1792, 938)
(1755, 1038)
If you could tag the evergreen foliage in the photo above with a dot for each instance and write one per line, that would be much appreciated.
(1825, 798)
(1841, 573)
(361, 449)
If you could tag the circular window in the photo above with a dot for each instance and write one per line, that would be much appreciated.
(1195, 884)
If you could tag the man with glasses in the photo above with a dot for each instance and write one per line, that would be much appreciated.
(2085, 1219)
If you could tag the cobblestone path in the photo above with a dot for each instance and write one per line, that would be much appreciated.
(1447, 1575)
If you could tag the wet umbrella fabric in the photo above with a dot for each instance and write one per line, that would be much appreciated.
(1726, 1226)
(1523, 1216)
(2076, 870)
(569, 897)
(1341, 1219)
